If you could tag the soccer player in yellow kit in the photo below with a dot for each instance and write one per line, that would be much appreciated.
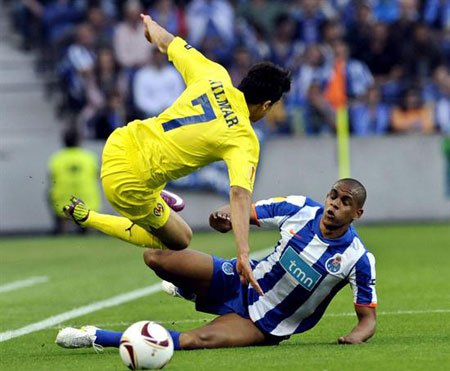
(210, 121)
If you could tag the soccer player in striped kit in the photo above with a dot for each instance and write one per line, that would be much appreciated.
(318, 253)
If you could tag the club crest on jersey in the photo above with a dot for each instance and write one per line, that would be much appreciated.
(227, 268)
(158, 210)
(333, 265)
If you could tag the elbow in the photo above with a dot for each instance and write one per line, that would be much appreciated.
(237, 192)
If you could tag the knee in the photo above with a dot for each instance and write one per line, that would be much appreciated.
(183, 240)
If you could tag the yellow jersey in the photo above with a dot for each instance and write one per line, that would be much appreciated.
(208, 122)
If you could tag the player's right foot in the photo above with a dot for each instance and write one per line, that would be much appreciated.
(175, 202)
(172, 290)
(77, 210)
(83, 337)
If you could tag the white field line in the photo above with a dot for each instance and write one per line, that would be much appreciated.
(81, 311)
(22, 283)
(77, 312)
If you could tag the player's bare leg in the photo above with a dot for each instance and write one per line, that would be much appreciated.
(188, 269)
(175, 234)
(229, 330)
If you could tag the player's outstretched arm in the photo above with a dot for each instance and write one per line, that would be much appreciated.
(240, 202)
(365, 328)
(156, 35)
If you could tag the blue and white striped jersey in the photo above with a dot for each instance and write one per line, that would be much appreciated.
(305, 271)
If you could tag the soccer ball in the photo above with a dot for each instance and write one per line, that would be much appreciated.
(145, 345)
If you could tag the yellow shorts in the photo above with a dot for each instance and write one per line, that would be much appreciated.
(125, 186)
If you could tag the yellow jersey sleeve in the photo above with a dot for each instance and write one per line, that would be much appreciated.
(242, 160)
(193, 65)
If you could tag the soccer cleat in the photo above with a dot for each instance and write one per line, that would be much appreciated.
(77, 210)
(83, 337)
(175, 202)
(172, 290)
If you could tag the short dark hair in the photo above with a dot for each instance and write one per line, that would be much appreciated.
(358, 190)
(265, 81)
(71, 137)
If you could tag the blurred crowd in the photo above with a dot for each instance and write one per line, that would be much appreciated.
(387, 61)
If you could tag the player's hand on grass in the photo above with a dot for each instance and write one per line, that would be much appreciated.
(246, 273)
(349, 340)
(220, 221)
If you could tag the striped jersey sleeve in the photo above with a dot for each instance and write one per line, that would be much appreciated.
(274, 211)
(362, 280)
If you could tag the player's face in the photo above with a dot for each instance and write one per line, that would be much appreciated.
(340, 207)
(260, 110)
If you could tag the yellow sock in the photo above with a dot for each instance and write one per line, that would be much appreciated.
(124, 229)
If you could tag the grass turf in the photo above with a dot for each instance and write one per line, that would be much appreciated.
(413, 323)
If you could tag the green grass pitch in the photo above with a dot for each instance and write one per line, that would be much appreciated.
(413, 281)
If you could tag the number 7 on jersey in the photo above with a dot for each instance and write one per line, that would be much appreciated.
(208, 115)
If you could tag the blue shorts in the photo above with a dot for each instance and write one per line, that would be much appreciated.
(226, 294)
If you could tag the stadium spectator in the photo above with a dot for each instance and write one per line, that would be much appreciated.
(349, 78)
(210, 18)
(109, 117)
(319, 253)
(210, 26)
(370, 116)
(285, 50)
(156, 86)
(437, 92)
(401, 29)
(420, 55)
(437, 14)
(312, 68)
(172, 18)
(359, 32)
(108, 75)
(27, 20)
(101, 26)
(72, 170)
(241, 63)
(378, 53)
(310, 21)
(412, 115)
(77, 67)
(58, 19)
(105, 80)
(131, 49)
(262, 13)
(332, 32)
(319, 114)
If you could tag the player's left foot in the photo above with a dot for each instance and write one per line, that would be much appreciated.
(84, 337)
(77, 210)
(175, 202)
